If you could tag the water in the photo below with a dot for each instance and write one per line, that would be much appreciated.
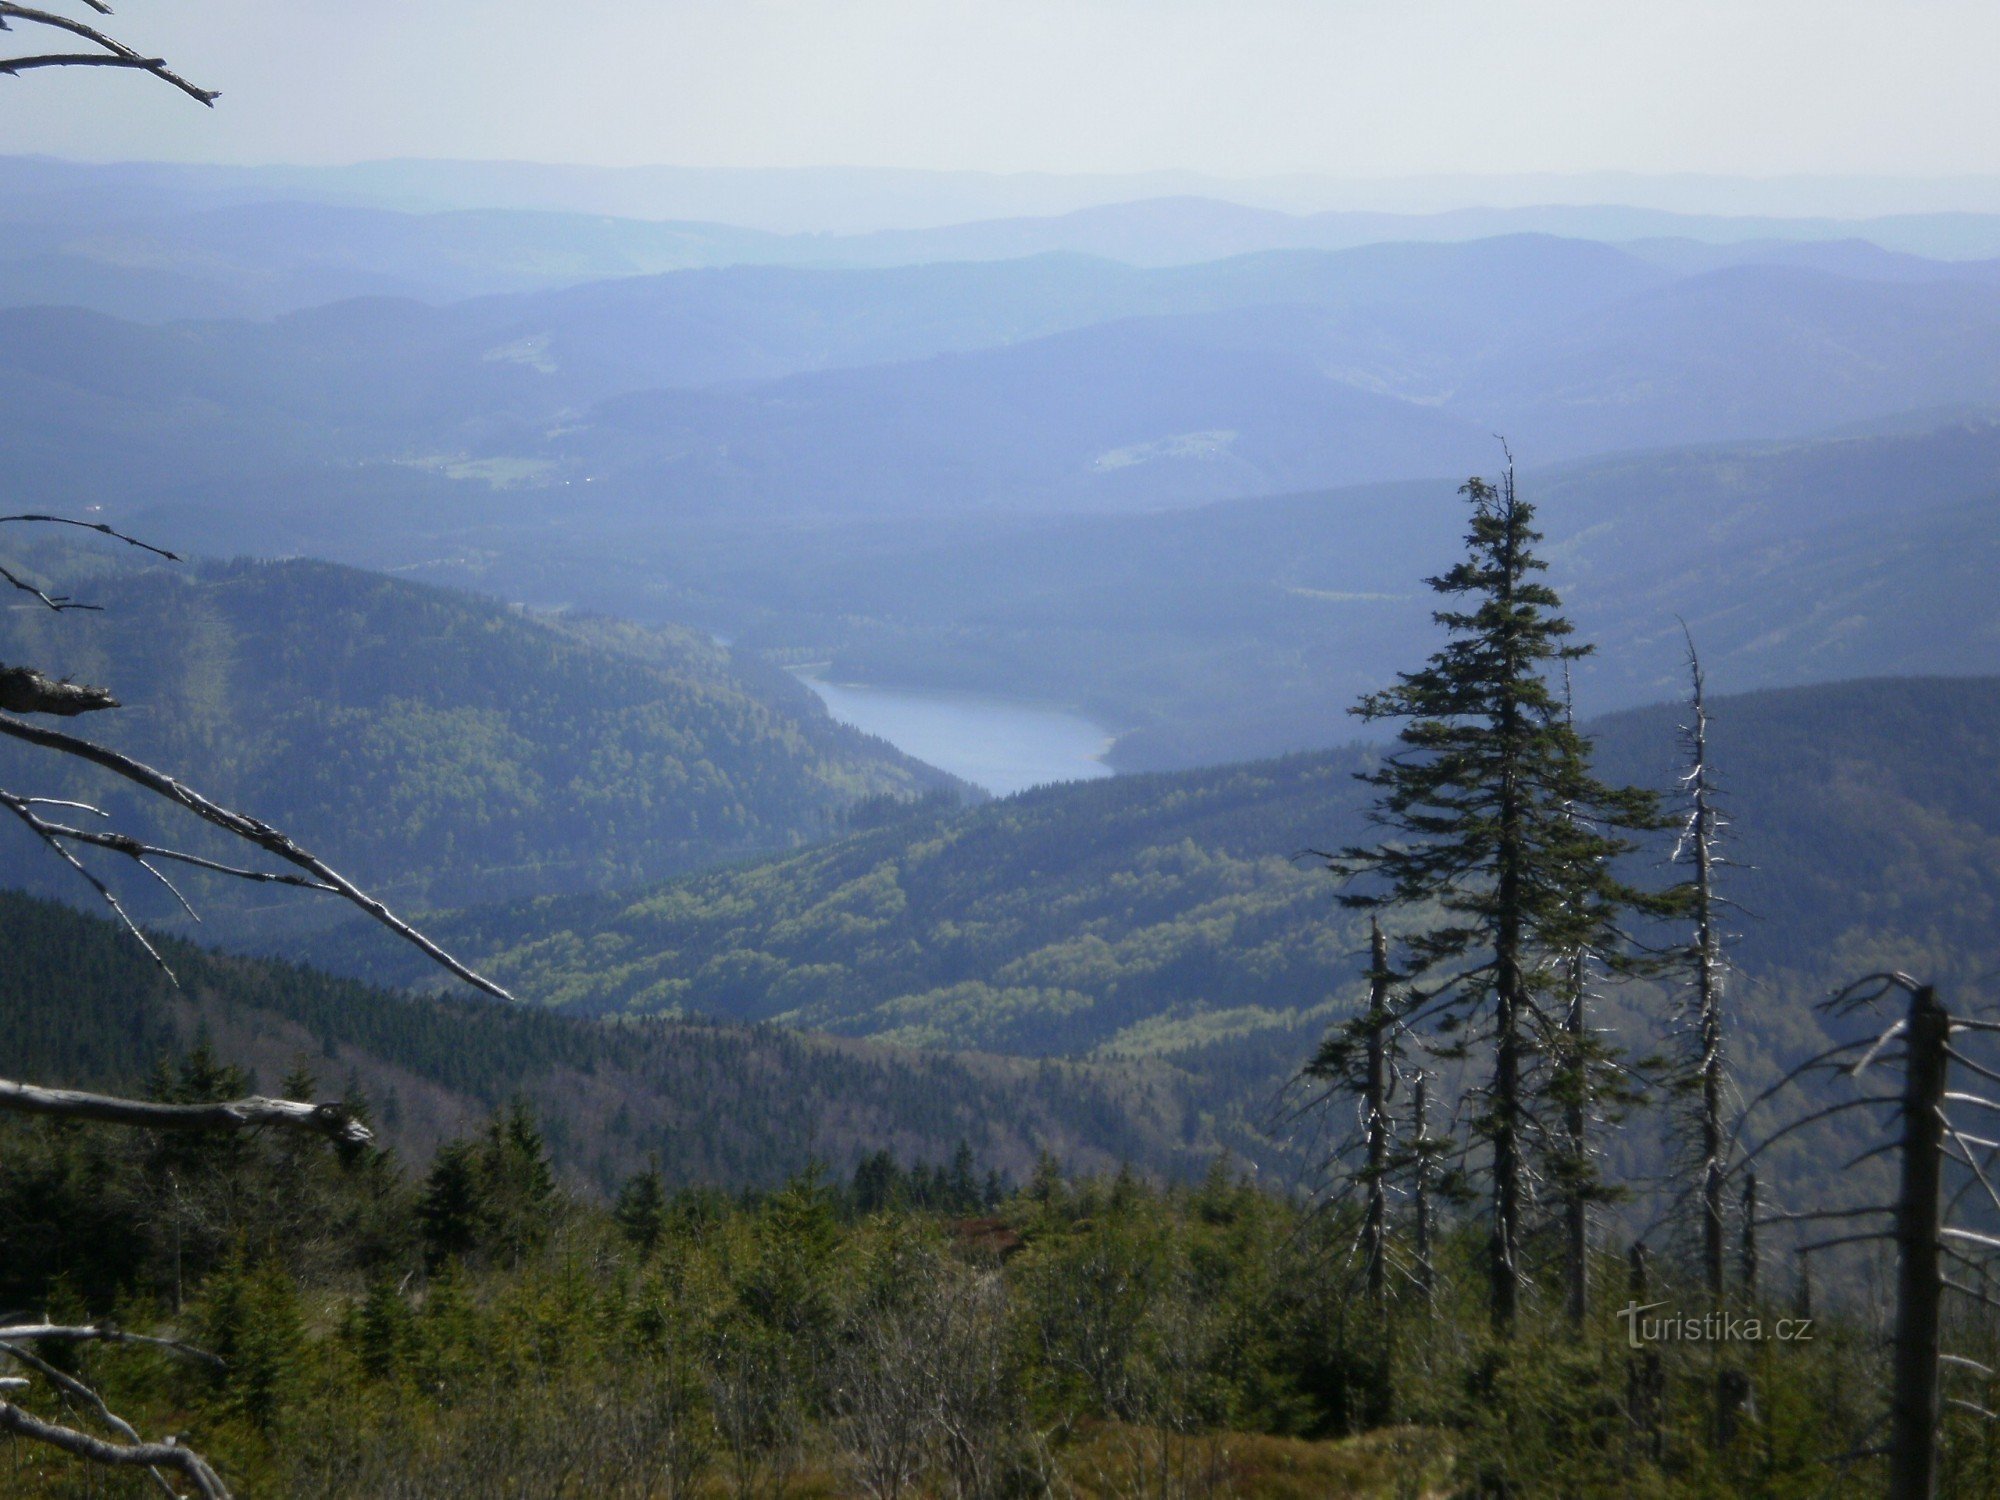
(996, 743)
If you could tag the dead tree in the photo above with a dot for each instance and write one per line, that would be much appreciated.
(1423, 1191)
(1645, 1376)
(1361, 1060)
(1933, 1252)
(1699, 847)
(71, 829)
(1914, 1403)
(1376, 1125)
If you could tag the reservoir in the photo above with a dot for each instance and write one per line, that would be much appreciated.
(996, 743)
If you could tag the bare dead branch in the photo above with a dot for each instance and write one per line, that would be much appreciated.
(1858, 1102)
(97, 526)
(109, 896)
(1978, 1172)
(100, 1333)
(76, 1390)
(23, 690)
(1970, 1364)
(18, 65)
(1984, 1299)
(1896, 1028)
(252, 831)
(1965, 1062)
(1870, 1154)
(1867, 990)
(330, 1120)
(115, 55)
(56, 602)
(1822, 1213)
(1849, 1239)
(168, 1455)
(172, 889)
(140, 851)
(1817, 1060)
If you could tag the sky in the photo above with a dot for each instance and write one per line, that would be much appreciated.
(1349, 88)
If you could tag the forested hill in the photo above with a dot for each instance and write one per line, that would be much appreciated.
(443, 747)
(81, 1006)
(1165, 915)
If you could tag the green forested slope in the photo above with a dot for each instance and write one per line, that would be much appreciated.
(81, 1006)
(1164, 915)
(444, 747)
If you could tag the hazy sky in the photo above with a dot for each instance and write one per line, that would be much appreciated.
(1237, 87)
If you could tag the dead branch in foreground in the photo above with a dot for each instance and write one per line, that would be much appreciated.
(111, 52)
(250, 830)
(166, 1455)
(253, 1112)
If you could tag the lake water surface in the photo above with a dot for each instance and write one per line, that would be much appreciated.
(997, 743)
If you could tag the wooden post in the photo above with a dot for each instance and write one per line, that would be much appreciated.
(1914, 1406)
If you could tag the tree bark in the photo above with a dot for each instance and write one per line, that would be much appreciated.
(1914, 1404)
(1419, 1124)
(331, 1120)
(1576, 1124)
(23, 690)
(1708, 992)
(123, 1455)
(1375, 1223)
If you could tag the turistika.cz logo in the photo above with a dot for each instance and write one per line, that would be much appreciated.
(1707, 1328)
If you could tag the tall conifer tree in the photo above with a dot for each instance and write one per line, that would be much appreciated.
(1500, 842)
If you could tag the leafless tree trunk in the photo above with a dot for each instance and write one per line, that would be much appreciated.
(1375, 1128)
(1426, 1273)
(1645, 1384)
(1914, 1407)
(1698, 844)
(1747, 1262)
(1576, 1130)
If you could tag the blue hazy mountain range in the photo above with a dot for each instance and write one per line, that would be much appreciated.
(155, 241)
(1051, 477)
(1050, 384)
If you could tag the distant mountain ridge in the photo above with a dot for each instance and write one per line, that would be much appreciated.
(154, 241)
(1023, 384)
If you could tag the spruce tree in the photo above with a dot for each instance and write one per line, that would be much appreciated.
(1500, 843)
(641, 1209)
